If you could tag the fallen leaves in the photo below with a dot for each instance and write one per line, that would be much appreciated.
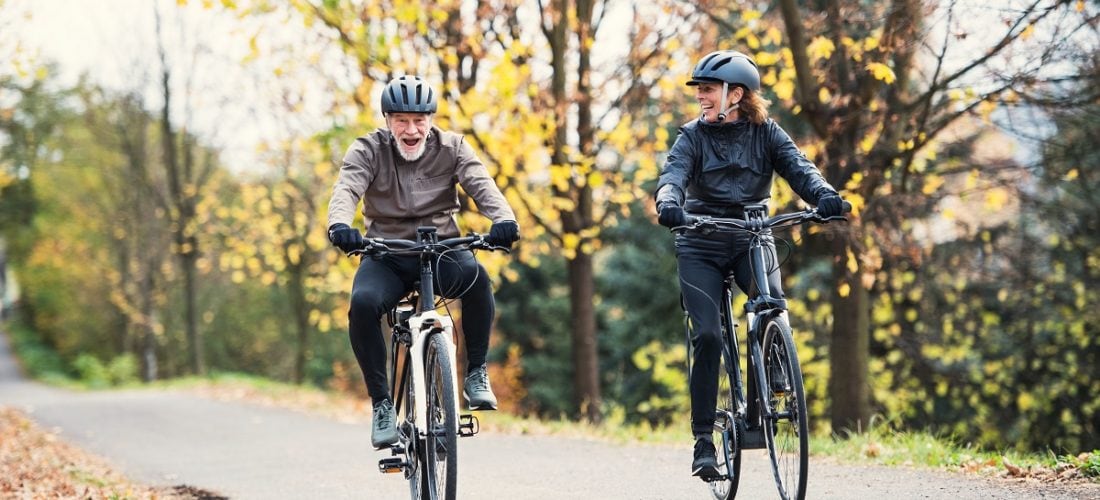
(35, 463)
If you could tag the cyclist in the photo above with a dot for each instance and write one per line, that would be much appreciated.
(719, 163)
(406, 176)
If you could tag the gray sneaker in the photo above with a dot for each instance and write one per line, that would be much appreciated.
(383, 432)
(477, 391)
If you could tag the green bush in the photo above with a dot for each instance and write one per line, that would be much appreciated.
(123, 369)
(92, 371)
(37, 359)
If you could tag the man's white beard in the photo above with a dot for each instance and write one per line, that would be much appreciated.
(415, 155)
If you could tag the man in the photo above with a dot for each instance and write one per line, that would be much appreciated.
(406, 176)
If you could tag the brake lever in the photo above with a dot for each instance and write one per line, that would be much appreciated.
(823, 220)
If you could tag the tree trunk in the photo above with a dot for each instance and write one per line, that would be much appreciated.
(182, 210)
(849, 386)
(586, 373)
(301, 320)
(198, 360)
(148, 329)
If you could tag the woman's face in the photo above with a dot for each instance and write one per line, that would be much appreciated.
(709, 96)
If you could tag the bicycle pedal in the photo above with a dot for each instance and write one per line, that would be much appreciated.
(397, 450)
(391, 465)
(468, 425)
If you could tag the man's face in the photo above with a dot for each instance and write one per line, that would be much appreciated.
(709, 96)
(411, 132)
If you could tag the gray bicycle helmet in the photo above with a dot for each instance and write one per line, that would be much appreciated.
(408, 94)
(727, 66)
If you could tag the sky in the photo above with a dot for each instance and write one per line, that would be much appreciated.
(114, 43)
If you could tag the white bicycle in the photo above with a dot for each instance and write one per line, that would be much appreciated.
(423, 354)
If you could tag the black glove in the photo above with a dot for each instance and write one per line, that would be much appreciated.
(344, 237)
(671, 215)
(830, 205)
(503, 233)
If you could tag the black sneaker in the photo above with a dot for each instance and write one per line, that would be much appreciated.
(705, 464)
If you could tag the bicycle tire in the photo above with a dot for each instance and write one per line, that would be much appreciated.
(786, 425)
(414, 471)
(727, 432)
(441, 442)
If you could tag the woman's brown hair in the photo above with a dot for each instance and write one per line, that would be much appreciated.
(754, 107)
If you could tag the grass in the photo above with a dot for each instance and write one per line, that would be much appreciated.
(883, 445)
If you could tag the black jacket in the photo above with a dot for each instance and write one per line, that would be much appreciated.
(716, 169)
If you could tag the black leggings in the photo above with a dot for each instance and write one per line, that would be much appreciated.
(380, 284)
(704, 263)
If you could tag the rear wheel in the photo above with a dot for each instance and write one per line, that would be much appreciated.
(786, 428)
(441, 442)
(727, 437)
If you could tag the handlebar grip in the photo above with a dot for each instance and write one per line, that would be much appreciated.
(847, 207)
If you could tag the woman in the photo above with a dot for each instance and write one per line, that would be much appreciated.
(719, 163)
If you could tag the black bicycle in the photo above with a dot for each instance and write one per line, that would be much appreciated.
(774, 413)
(426, 391)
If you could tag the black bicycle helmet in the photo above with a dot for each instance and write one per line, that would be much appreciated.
(408, 94)
(727, 66)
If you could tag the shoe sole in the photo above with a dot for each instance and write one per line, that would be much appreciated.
(707, 472)
(481, 407)
(383, 446)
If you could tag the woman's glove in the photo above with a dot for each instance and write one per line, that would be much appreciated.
(671, 215)
(830, 205)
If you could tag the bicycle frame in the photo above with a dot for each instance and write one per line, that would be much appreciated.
(424, 322)
(758, 310)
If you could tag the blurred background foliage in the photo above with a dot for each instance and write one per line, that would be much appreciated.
(141, 251)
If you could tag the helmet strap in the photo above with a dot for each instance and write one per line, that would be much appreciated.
(725, 112)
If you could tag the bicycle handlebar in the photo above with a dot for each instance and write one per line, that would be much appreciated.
(705, 222)
(383, 246)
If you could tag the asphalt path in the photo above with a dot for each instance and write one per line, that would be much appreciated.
(246, 451)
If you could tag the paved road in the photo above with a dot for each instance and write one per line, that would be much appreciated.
(252, 452)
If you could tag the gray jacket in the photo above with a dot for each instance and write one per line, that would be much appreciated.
(399, 195)
(716, 169)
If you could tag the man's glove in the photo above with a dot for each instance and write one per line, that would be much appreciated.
(830, 205)
(344, 237)
(503, 233)
(671, 215)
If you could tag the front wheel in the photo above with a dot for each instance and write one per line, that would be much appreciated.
(783, 402)
(441, 441)
(727, 434)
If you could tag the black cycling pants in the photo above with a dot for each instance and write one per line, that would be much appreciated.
(380, 284)
(704, 264)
